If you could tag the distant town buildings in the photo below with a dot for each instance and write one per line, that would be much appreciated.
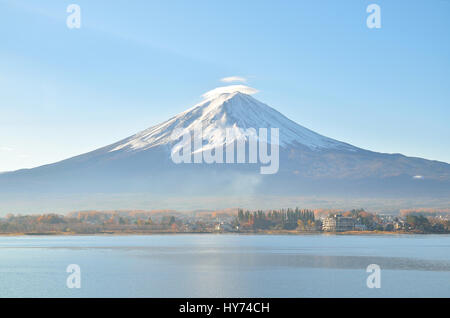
(400, 225)
(272, 221)
(223, 227)
(338, 223)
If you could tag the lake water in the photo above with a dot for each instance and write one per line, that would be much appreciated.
(209, 265)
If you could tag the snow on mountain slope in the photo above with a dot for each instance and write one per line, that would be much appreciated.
(229, 107)
(140, 167)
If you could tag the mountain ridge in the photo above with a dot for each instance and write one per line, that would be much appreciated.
(310, 163)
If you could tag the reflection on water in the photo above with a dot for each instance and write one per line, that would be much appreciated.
(262, 260)
(225, 266)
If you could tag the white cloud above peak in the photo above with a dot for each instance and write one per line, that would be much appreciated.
(231, 79)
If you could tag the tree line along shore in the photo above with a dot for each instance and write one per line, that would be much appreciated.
(281, 221)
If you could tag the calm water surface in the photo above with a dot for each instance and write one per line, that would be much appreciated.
(225, 266)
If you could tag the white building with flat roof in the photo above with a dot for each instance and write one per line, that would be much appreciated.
(338, 223)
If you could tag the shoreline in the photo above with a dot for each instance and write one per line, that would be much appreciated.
(268, 232)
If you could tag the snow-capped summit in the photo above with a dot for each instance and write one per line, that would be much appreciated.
(229, 107)
(230, 89)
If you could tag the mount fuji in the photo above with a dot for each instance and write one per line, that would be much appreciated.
(309, 164)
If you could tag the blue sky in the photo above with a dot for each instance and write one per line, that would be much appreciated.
(133, 64)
